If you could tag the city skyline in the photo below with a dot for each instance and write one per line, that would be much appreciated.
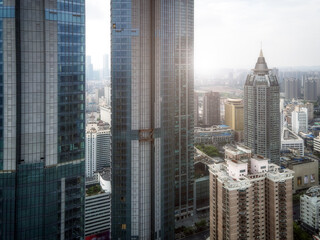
(228, 33)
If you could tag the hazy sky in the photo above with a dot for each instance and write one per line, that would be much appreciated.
(228, 33)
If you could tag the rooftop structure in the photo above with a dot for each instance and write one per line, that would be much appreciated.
(213, 135)
(305, 169)
(290, 140)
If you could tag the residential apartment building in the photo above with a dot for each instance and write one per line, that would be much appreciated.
(299, 118)
(310, 209)
(98, 148)
(250, 198)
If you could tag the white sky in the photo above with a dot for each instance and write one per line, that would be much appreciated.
(228, 33)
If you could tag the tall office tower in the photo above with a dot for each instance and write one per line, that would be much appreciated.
(250, 198)
(98, 148)
(42, 164)
(211, 108)
(234, 117)
(292, 89)
(106, 69)
(89, 69)
(196, 109)
(184, 107)
(311, 86)
(262, 112)
(144, 59)
(299, 118)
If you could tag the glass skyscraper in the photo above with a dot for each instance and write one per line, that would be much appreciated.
(42, 120)
(184, 107)
(151, 56)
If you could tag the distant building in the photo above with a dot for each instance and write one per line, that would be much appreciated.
(310, 89)
(106, 68)
(211, 108)
(98, 148)
(262, 111)
(316, 144)
(89, 69)
(98, 206)
(249, 197)
(105, 114)
(292, 88)
(234, 117)
(221, 134)
(305, 170)
(196, 109)
(307, 139)
(107, 94)
(201, 194)
(310, 209)
(299, 118)
(290, 140)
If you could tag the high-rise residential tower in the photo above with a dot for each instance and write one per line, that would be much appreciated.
(196, 109)
(184, 107)
(250, 198)
(299, 118)
(311, 88)
(42, 127)
(262, 112)
(291, 88)
(211, 109)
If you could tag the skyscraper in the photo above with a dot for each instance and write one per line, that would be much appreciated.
(196, 109)
(184, 107)
(42, 119)
(211, 108)
(262, 112)
(143, 113)
(152, 117)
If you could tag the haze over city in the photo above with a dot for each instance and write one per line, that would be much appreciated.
(228, 33)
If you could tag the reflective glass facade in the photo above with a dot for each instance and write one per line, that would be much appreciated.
(142, 61)
(184, 107)
(42, 119)
(152, 79)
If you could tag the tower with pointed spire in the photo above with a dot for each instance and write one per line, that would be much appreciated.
(261, 111)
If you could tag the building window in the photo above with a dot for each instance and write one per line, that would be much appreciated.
(299, 181)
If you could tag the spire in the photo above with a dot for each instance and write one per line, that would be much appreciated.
(261, 65)
(261, 53)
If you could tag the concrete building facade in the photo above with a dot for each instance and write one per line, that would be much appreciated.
(290, 141)
(262, 112)
(250, 198)
(211, 108)
(299, 119)
(310, 209)
(292, 88)
(234, 117)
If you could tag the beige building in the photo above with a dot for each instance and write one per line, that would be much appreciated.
(234, 117)
(249, 198)
(305, 169)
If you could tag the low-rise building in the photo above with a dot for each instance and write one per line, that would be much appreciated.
(290, 140)
(305, 170)
(98, 206)
(250, 198)
(316, 144)
(213, 135)
(310, 209)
